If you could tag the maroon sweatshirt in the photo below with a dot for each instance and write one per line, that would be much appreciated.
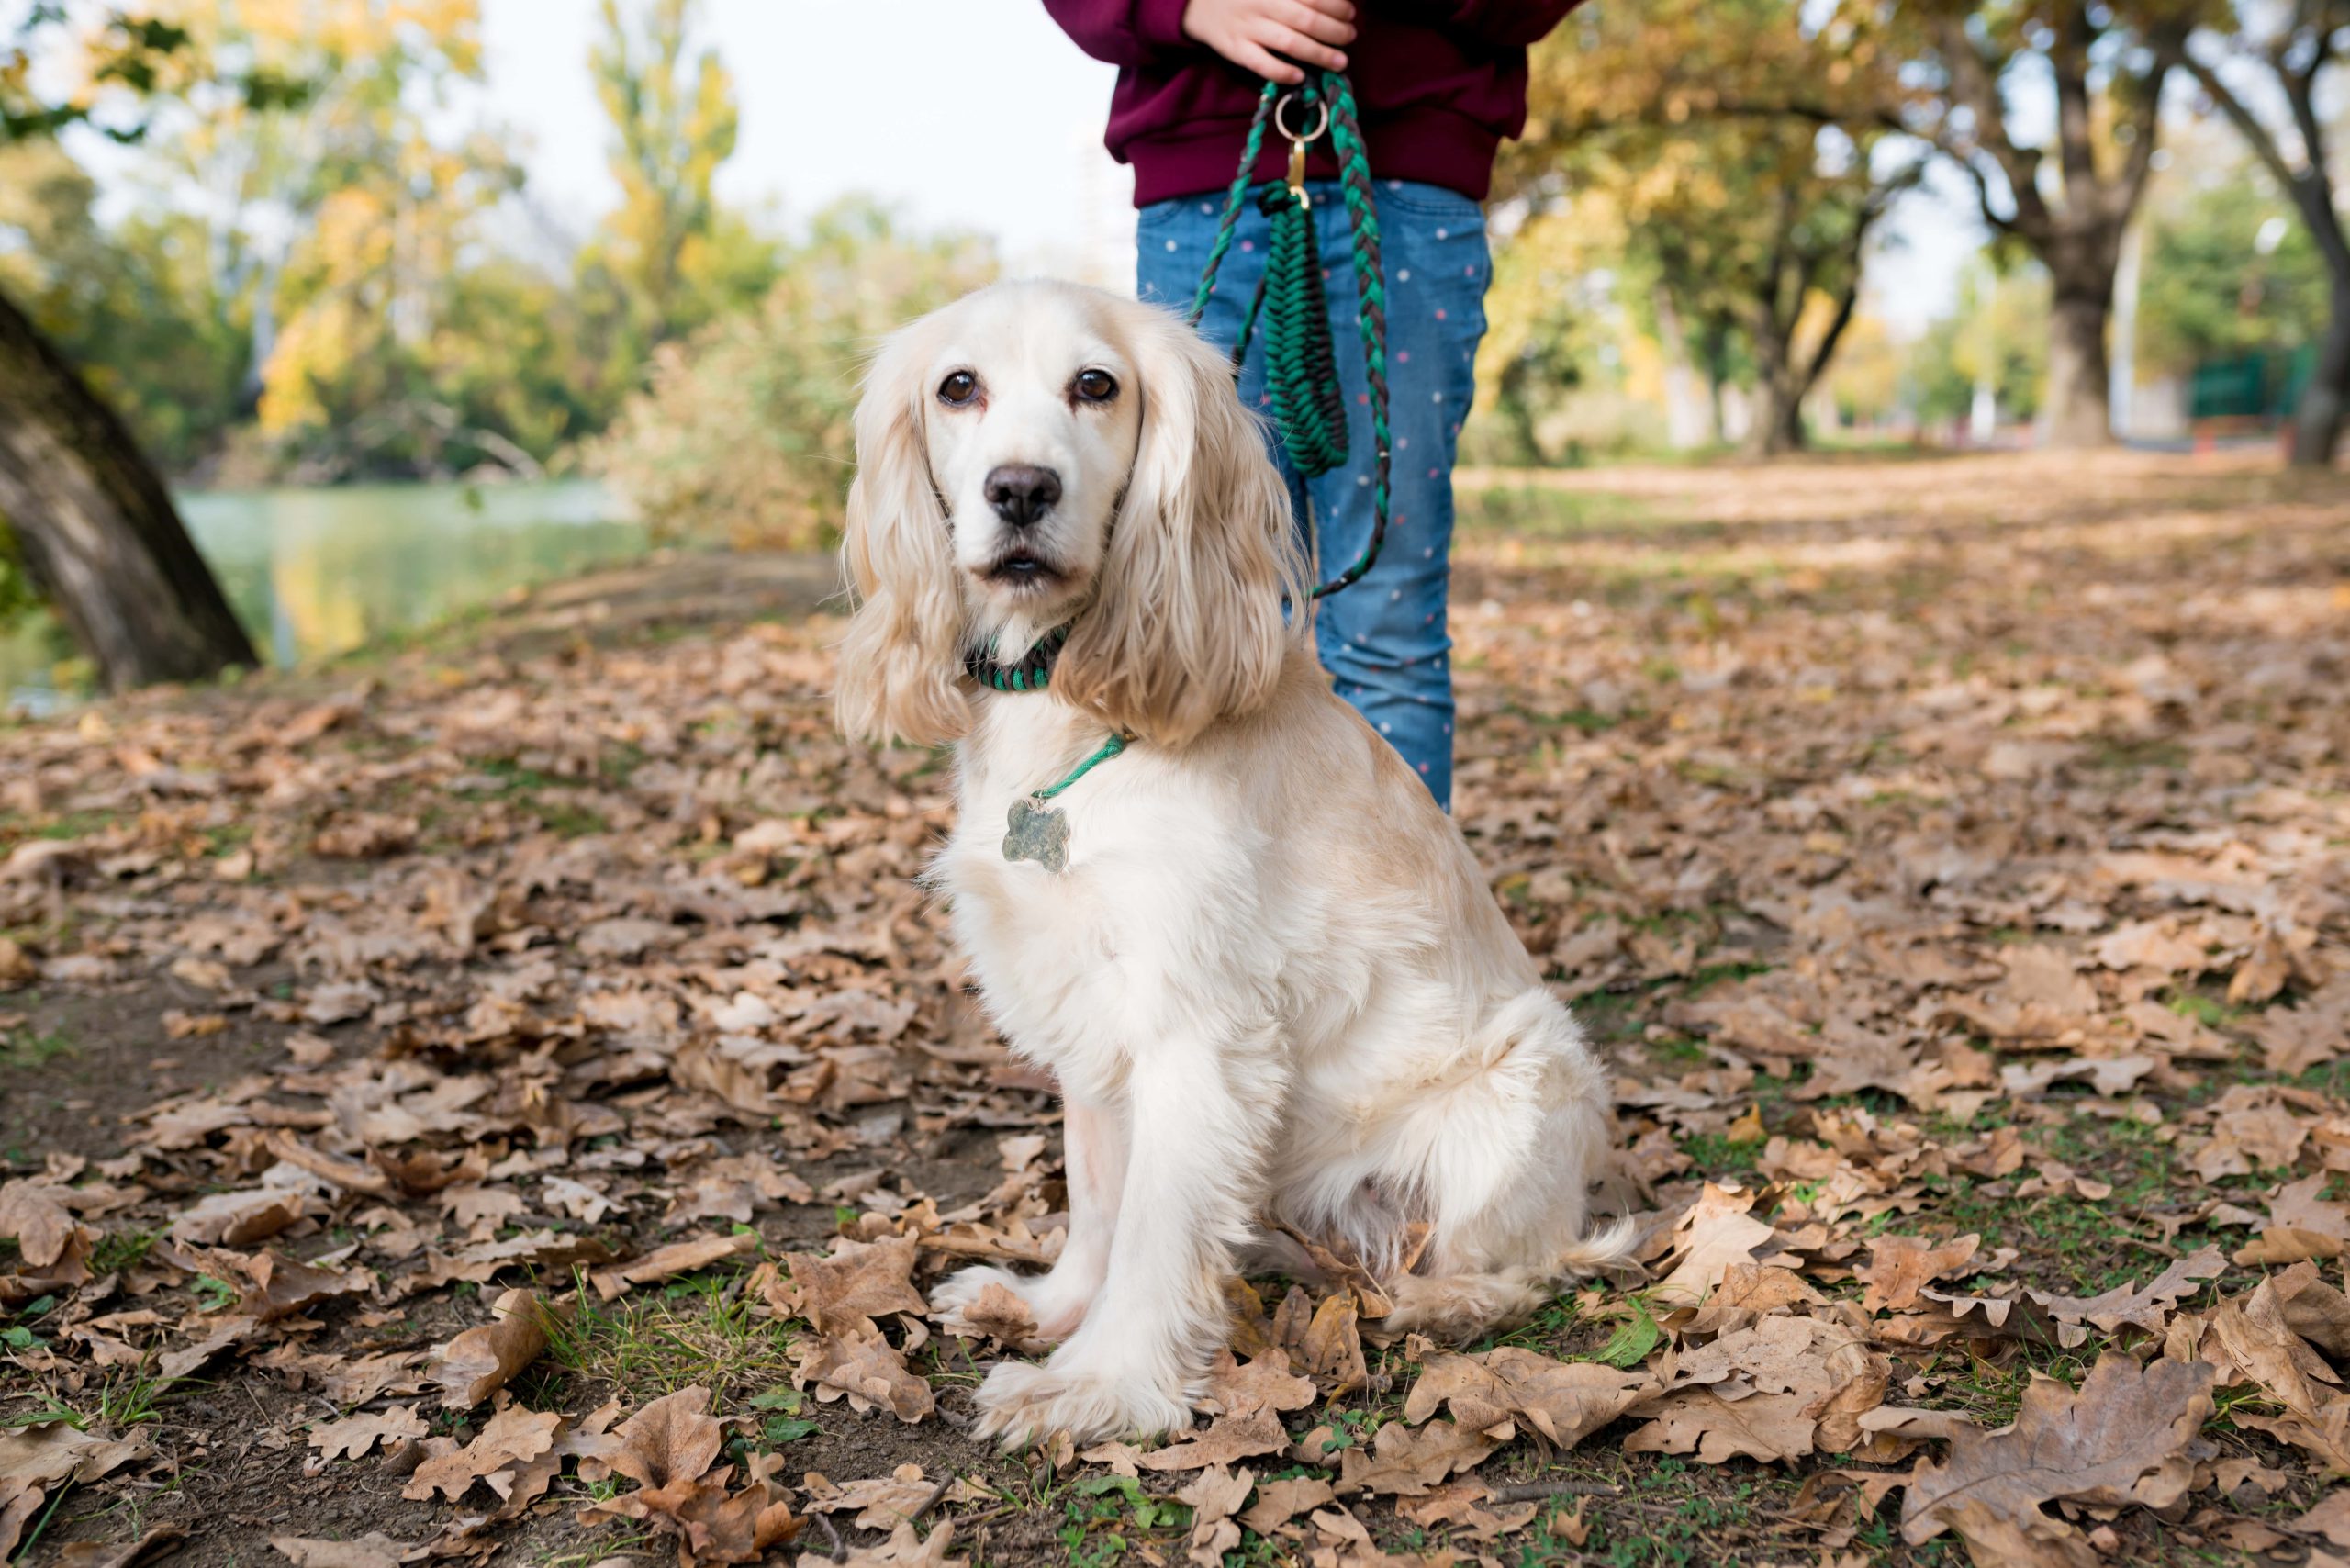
(1438, 85)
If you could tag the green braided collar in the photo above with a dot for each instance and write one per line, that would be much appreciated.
(1032, 672)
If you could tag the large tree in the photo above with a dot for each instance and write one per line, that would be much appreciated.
(2067, 194)
(1753, 219)
(2263, 74)
(2051, 108)
(88, 514)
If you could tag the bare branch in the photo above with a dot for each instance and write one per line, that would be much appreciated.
(2169, 46)
(2255, 134)
(2308, 187)
(1975, 84)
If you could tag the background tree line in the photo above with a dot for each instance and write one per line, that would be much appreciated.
(340, 271)
(332, 283)
(1736, 158)
(341, 274)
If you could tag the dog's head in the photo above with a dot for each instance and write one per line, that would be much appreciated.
(1039, 452)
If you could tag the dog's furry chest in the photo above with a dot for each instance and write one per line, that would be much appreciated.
(1070, 962)
(1040, 943)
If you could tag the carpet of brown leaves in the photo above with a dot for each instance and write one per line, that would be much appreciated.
(508, 1098)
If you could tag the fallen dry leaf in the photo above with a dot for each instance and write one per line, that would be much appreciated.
(673, 1438)
(353, 1437)
(1213, 1496)
(860, 1282)
(906, 1548)
(1901, 1266)
(866, 1368)
(35, 1216)
(1564, 1401)
(513, 1438)
(1224, 1441)
(1715, 1235)
(668, 1262)
(1405, 1461)
(482, 1359)
(37, 1455)
(885, 1502)
(2127, 1437)
(2147, 1307)
(1277, 1502)
(374, 1549)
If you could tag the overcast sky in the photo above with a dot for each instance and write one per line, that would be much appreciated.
(975, 113)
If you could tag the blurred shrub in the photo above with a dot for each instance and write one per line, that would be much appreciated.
(743, 436)
(2230, 270)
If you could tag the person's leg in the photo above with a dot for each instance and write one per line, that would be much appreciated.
(1384, 638)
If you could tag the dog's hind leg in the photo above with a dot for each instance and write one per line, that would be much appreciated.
(1501, 1163)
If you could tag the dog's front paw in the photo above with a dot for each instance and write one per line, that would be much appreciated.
(953, 1295)
(1022, 1402)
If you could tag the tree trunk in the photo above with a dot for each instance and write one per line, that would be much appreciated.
(1778, 426)
(1518, 412)
(96, 528)
(2317, 423)
(1778, 390)
(2080, 392)
(1713, 342)
(1778, 417)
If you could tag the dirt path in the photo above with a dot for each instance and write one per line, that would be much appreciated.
(1955, 856)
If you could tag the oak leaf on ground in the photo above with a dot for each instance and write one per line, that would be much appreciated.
(354, 1435)
(480, 1360)
(2127, 1436)
(861, 1365)
(859, 1281)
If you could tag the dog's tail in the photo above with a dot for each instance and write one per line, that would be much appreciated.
(1609, 1247)
(1461, 1308)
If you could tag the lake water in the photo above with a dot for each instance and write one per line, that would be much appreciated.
(314, 573)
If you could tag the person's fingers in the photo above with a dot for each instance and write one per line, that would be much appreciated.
(1298, 47)
(1252, 58)
(1315, 23)
(1343, 10)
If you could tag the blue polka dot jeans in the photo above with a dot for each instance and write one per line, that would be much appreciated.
(1382, 640)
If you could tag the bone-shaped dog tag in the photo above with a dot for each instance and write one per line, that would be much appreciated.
(1036, 833)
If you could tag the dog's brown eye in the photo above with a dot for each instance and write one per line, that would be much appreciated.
(958, 388)
(1096, 385)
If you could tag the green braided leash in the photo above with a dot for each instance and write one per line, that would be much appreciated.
(1301, 359)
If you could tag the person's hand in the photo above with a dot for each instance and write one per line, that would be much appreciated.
(1252, 34)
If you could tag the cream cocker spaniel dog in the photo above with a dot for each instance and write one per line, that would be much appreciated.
(1262, 965)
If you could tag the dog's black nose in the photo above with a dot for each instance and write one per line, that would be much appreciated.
(1022, 492)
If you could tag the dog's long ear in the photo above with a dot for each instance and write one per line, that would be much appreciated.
(1186, 626)
(901, 662)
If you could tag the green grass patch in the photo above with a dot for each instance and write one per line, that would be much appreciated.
(120, 1249)
(701, 1330)
(16, 827)
(24, 1049)
(126, 1397)
(1578, 719)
